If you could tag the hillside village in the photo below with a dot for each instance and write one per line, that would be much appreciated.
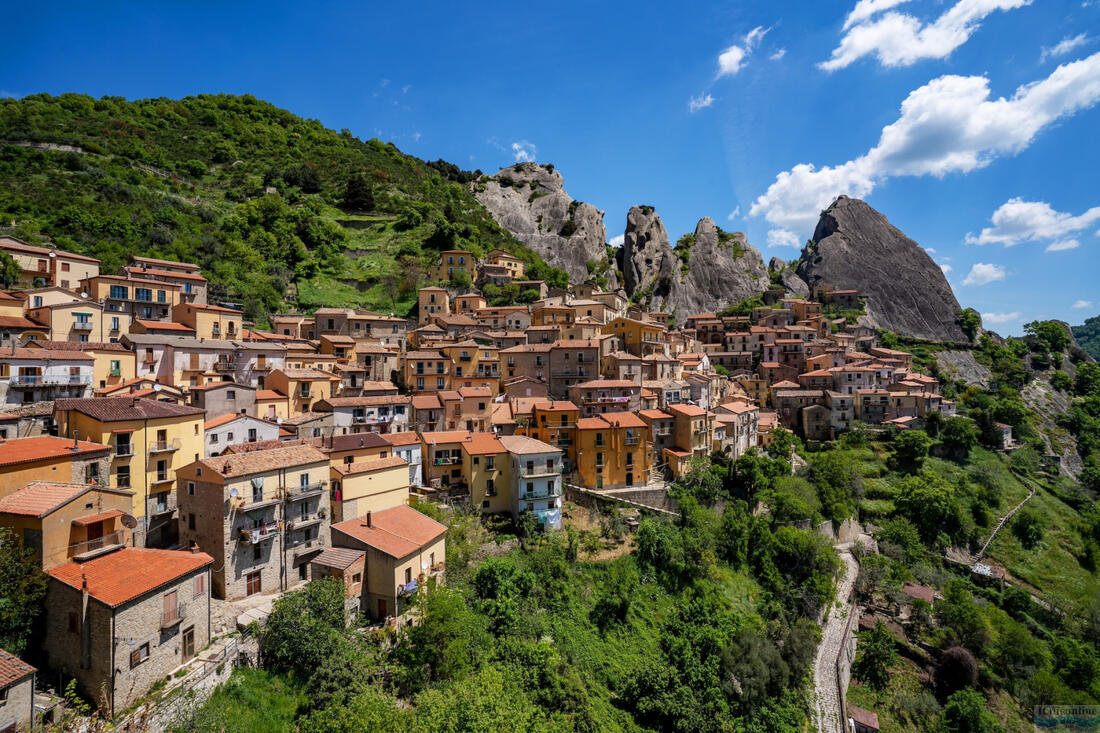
(158, 451)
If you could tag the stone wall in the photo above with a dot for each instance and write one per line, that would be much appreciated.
(18, 709)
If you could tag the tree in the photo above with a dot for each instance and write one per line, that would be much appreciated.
(358, 194)
(834, 473)
(955, 670)
(929, 503)
(305, 627)
(970, 321)
(877, 655)
(1050, 335)
(958, 436)
(965, 712)
(911, 448)
(22, 592)
(1027, 526)
(9, 271)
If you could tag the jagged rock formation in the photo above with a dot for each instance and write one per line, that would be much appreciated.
(796, 286)
(529, 200)
(706, 271)
(856, 247)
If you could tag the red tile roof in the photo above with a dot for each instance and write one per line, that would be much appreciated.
(117, 409)
(245, 464)
(406, 438)
(269, 394)
(13, 669)
(130, 572)
(39, 498)
(44, 354)
(46, 447)
(397, 532)
(163, 326)
(372, 464)
(483, 444)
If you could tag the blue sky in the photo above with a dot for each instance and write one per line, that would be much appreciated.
(972, 124)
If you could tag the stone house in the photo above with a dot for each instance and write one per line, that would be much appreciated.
(223, 398)
(262, 514)
(226, 430)
(350, 568)
(121, 621)
(16, 693)
(368, 414)
(38, 375)
(403, 548)
(51, 458)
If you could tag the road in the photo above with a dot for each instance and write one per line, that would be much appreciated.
(828, 717)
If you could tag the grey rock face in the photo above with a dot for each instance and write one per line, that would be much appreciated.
(796, 286)
(530, 202)
(712, 270)
(856, 247)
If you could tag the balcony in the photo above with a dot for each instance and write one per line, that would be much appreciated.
(100, 545)
(164, 502)
(225, 366)
(172, 616)
(256, 535)
(163, 478)
(123, 450)
(49, 380)
(539, 472)
(407, 589)
(82, 326)
(446, 461)
(371, 419)
(314, 545)
(165, 446)
(631, 440)
(259, 504)
(606, 399)
(305, 491)
(542, 492)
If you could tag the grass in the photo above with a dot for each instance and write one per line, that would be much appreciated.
(887, 704)
(252, 700)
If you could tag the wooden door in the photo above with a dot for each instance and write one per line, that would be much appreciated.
(188, 644)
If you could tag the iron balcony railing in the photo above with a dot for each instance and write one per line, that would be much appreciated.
(82, 326)
(165, 446)
(255, 535)
(111, 539)
(539, 471)
(225, 366)
(542, 492)
(49, 380)
(302, 491)
(172, 616)
(407, 589)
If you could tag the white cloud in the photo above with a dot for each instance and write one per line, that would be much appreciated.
(1082, 304)
(701, 102)
(778, 54)
(1064, 46)
(783, 238)
(930, 250)
(1017, 220)
(946, 269)
(1001, 317)
(1062, 245)
(617, 241)
(733, 58)
(523, 151)
(948, 125)
(732, 216)
(898, 39)
(864, 9)
(983, 274)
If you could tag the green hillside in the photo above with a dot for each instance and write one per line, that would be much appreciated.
(256, 195)
(1088, 336)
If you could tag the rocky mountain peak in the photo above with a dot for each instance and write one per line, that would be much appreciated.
(530, 201)
(856, 247)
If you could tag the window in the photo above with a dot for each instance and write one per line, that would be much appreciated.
(230, 394)
(303, 480)
(122, 478)
(114, 327)
(258, 491)
(252, 435)
(191, 522)
(139, 655)
(408, 575)
(144, 295)
(357, 578)
(213, 437)
(252, 583)
(38, 301)
(74, 623)
(64, 266)
(490, 463)
(162, 297)
(257, 553)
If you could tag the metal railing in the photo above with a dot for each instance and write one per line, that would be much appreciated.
(117, 537)
(82, 326)
(172, 616)
(256, 535)
(537, 471)
(224, 366)
(124, 450)
(165, 446)
(49, 380)
(300, 491)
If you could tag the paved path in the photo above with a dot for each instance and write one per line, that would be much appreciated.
(828, 717)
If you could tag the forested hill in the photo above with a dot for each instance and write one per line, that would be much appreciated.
(1088, 336)
(279, 211)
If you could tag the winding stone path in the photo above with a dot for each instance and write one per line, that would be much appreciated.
(828, 716)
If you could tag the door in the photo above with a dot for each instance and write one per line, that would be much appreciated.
(252, 582)
(189, 644)
(381, 608)
(95, 536)
(630, 479)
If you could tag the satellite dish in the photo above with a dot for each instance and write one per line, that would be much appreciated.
(157, 387)
(129, 521)
(53, 254)
(83, 294)
(278, 421)
(232, 493)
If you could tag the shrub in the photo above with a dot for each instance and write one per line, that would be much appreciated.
(1027, 525)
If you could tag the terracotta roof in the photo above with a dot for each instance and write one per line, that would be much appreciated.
(165, 273)
(39, 498)
(13, 669)
(18, 322)
(433, 355)
(306, 417)
(374, 464)
(591, 423)
(367, 400)
(130, 572)
(865, 718)
(555, 406)
(230, 417)
(44, 354)
(446, 436)
(169, 263)
(523, 445)
(687, 410)
(116, 409)
(16, 245)
(483, 444)
(261, 461)
(426, 402)
(163, 326)
(475, 392)
(405, 438)
(44, 447)
(310, 375)
(397, 532)
(269, 394)
(623, 420)
(340, 558)
(655, 415)
(606, 384)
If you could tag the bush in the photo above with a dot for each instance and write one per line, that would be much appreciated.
(877, 655)
(305, 626)
(1027, 525)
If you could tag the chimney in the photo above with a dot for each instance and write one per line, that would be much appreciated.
(76, 443)
(368, 519)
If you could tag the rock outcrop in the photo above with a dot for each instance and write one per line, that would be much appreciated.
(706, 271)
(796, 286)
(529, 200)
(856, 247)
